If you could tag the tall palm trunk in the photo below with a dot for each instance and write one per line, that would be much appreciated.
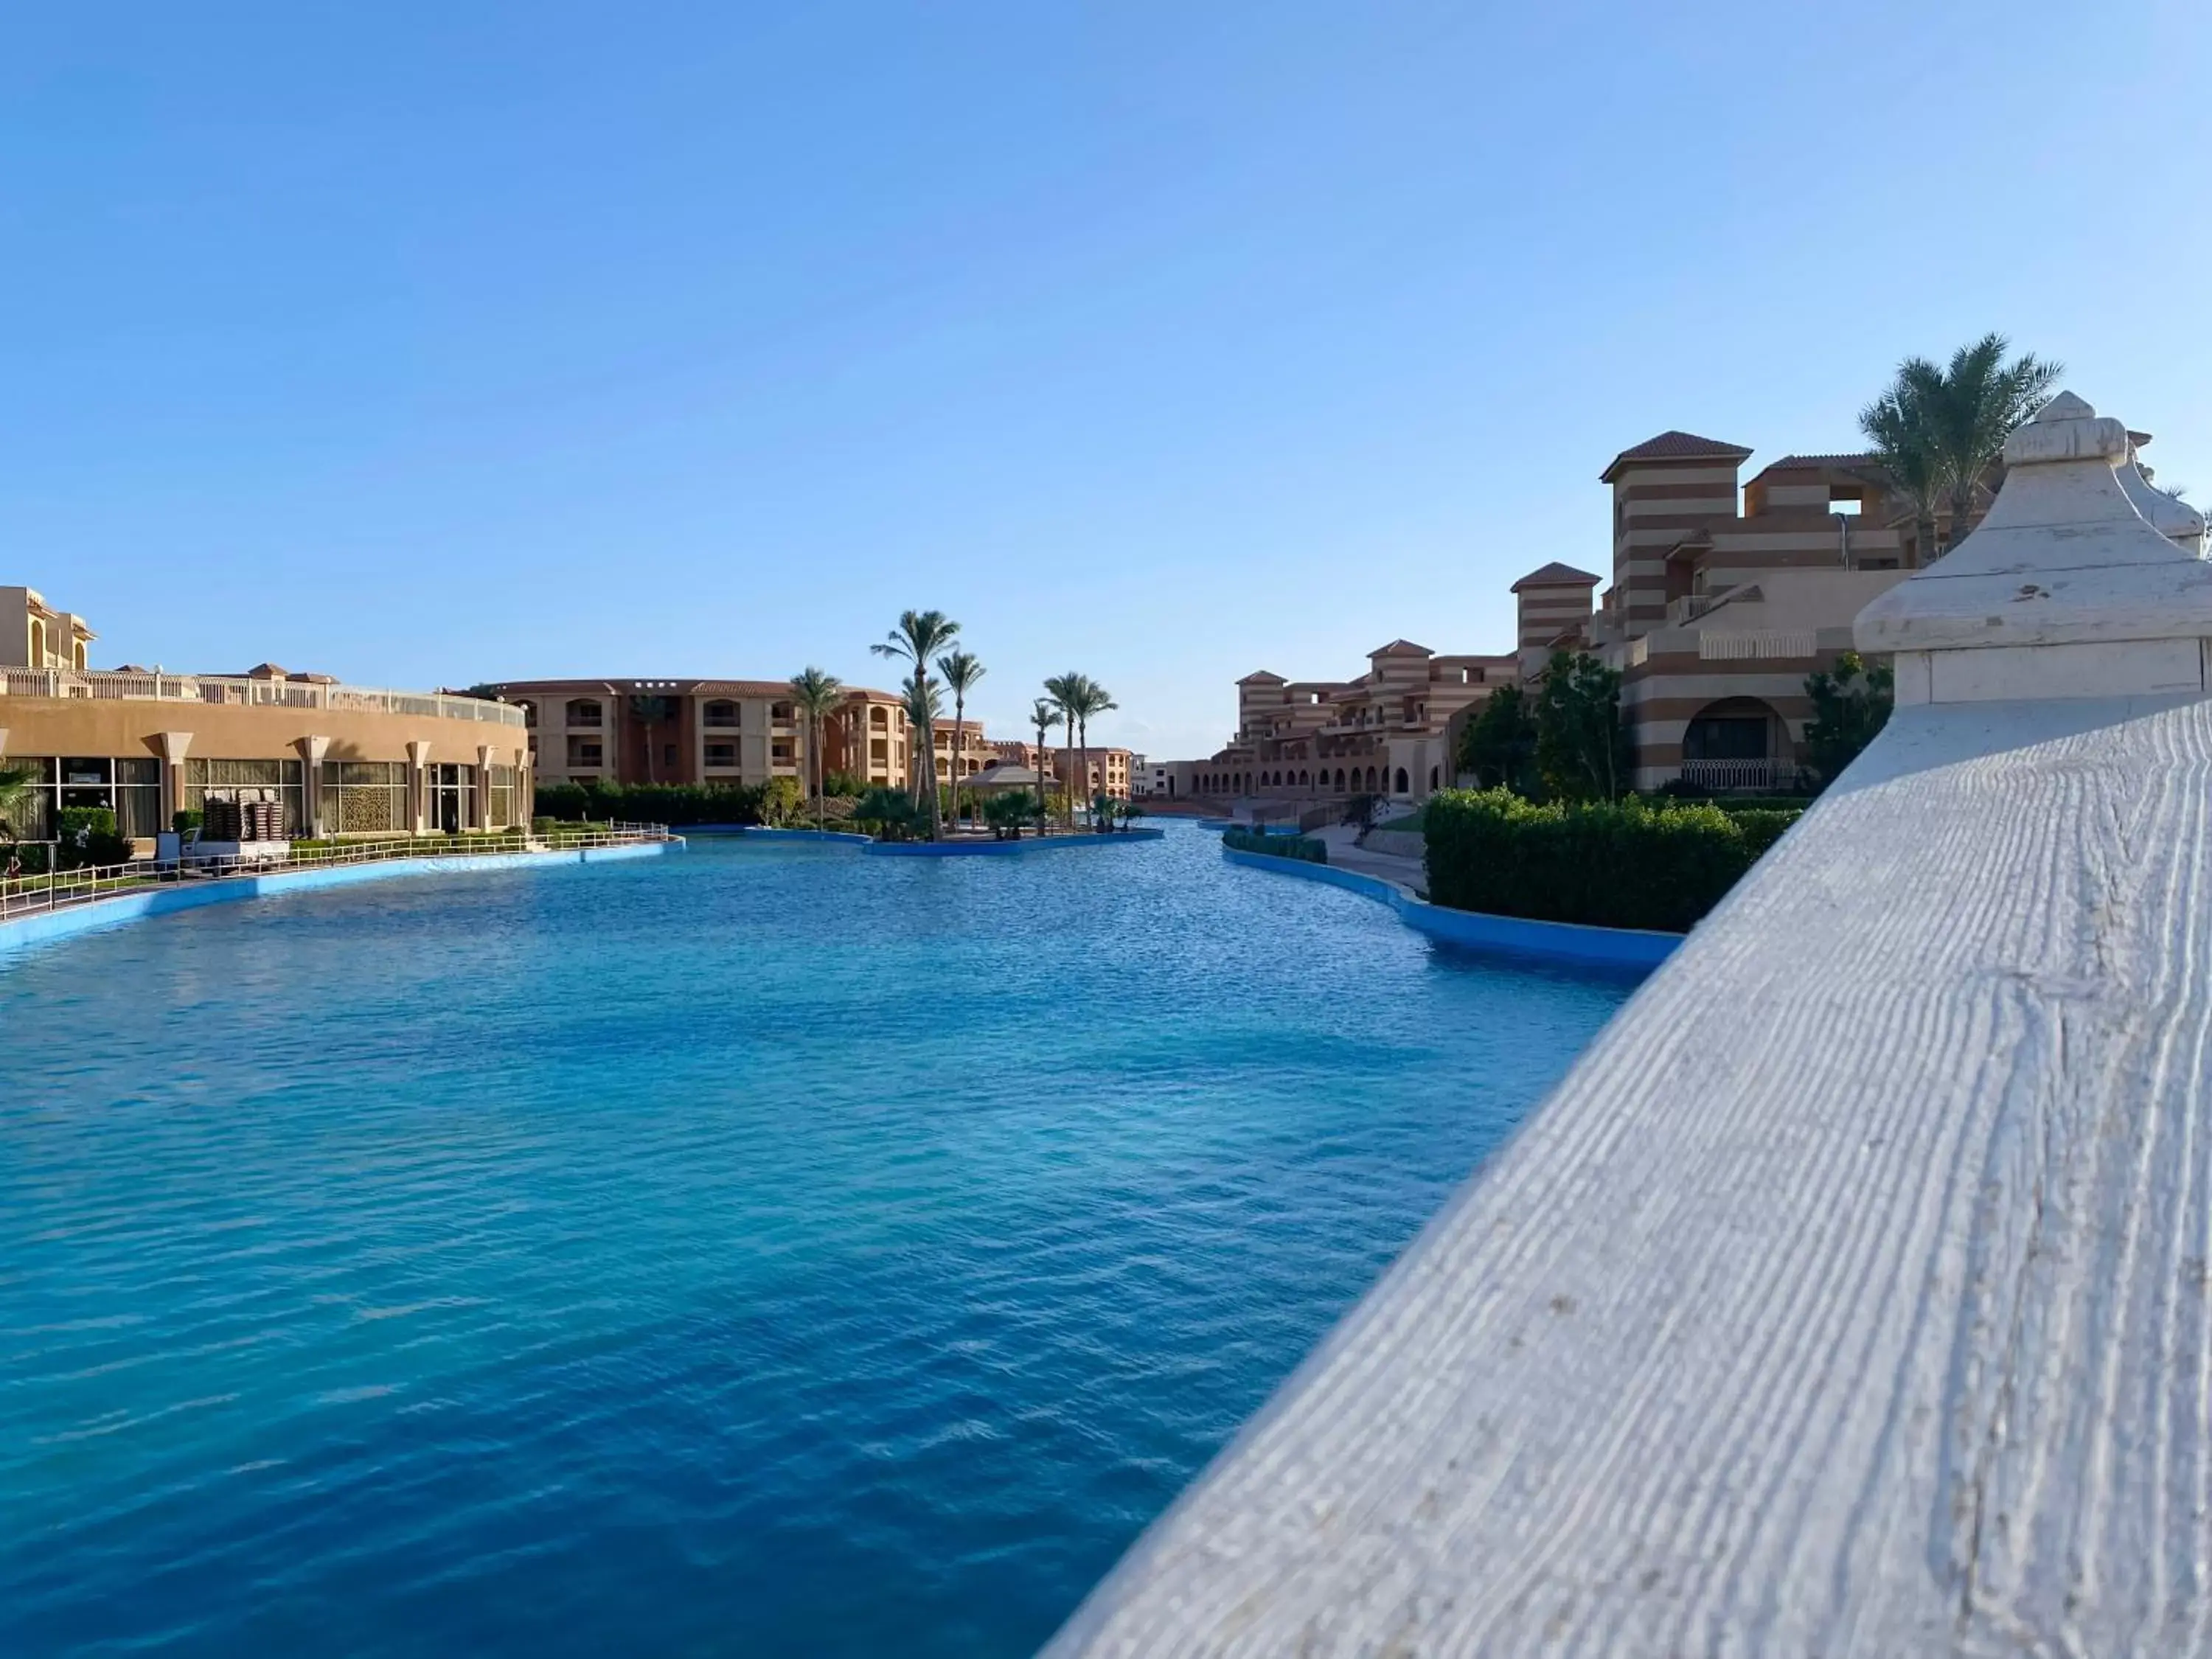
(959, 734)
(926, 796)
(1083, 764)
(1038, 713)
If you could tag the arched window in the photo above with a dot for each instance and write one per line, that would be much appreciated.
(585, 711)
(529, 713)
(781, 711)
(1404, 783)
(1301, 778)
(1340, 780)
(1371, 785)
(1735, 729)
(721, 712)
(1433, 780)
(880, 717)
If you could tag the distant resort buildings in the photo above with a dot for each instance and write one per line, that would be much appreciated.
(1725, 594)
(749, 731)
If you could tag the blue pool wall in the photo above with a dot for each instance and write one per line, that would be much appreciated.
(945, 849)
(41, 928)
(1624, 949)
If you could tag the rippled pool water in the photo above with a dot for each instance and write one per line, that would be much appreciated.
(758, 1250)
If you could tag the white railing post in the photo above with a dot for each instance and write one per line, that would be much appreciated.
(1851, 1294)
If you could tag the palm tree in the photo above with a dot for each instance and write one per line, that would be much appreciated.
(1941, 429)
(1044, 715)
(924, 702)
(650, 712)
(1090, 698)
(1901, 425)
(961, 670)
(919, 635)
(1066, 691)
(817, 696)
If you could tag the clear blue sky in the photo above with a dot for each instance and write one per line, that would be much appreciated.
(430, 343)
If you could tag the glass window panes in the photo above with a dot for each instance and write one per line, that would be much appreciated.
(258, 779)
(364, 797)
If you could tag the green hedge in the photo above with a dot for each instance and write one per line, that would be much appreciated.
(652, 803)
(782, 802)
(1636, 863)
(1304, 849)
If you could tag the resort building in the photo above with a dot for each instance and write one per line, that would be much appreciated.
(335, 759)
(1113, 771)
(35, 636)
(1391, 731)
(972, 751)
(1726, 594)
(706, 731)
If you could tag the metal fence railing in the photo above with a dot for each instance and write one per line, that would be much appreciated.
(239, 691)
(59, 890)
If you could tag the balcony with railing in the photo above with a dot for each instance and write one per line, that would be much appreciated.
(238, 691)
(1769, 776)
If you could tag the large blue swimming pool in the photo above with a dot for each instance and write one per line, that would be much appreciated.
(758, 1250)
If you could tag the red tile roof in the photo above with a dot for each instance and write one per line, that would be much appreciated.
(1676, 447)
(1862, 459)
(1556, 575)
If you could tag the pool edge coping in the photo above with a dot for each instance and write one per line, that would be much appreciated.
(1568, 942)
(25, 933)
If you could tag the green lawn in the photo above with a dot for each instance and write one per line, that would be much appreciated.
(1416, 825)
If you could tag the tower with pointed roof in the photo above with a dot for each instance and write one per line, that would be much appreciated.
(1552, 603)
(1662, 488)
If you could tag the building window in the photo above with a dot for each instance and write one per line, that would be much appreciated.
(780, 713)
(721, 754)
(365, 797)
(668, 755)
(130, 788)
(1724, 737)
(507, 809)
(586, 711)
(585, 753)
(280, 780)
(780, 751)
(453, 797)
(529, 713)
(721, 711)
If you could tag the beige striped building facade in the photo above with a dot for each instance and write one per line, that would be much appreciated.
(1726, 595)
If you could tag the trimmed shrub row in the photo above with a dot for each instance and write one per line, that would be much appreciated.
(1633, 863)
(1304, 849)
(781, 802)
